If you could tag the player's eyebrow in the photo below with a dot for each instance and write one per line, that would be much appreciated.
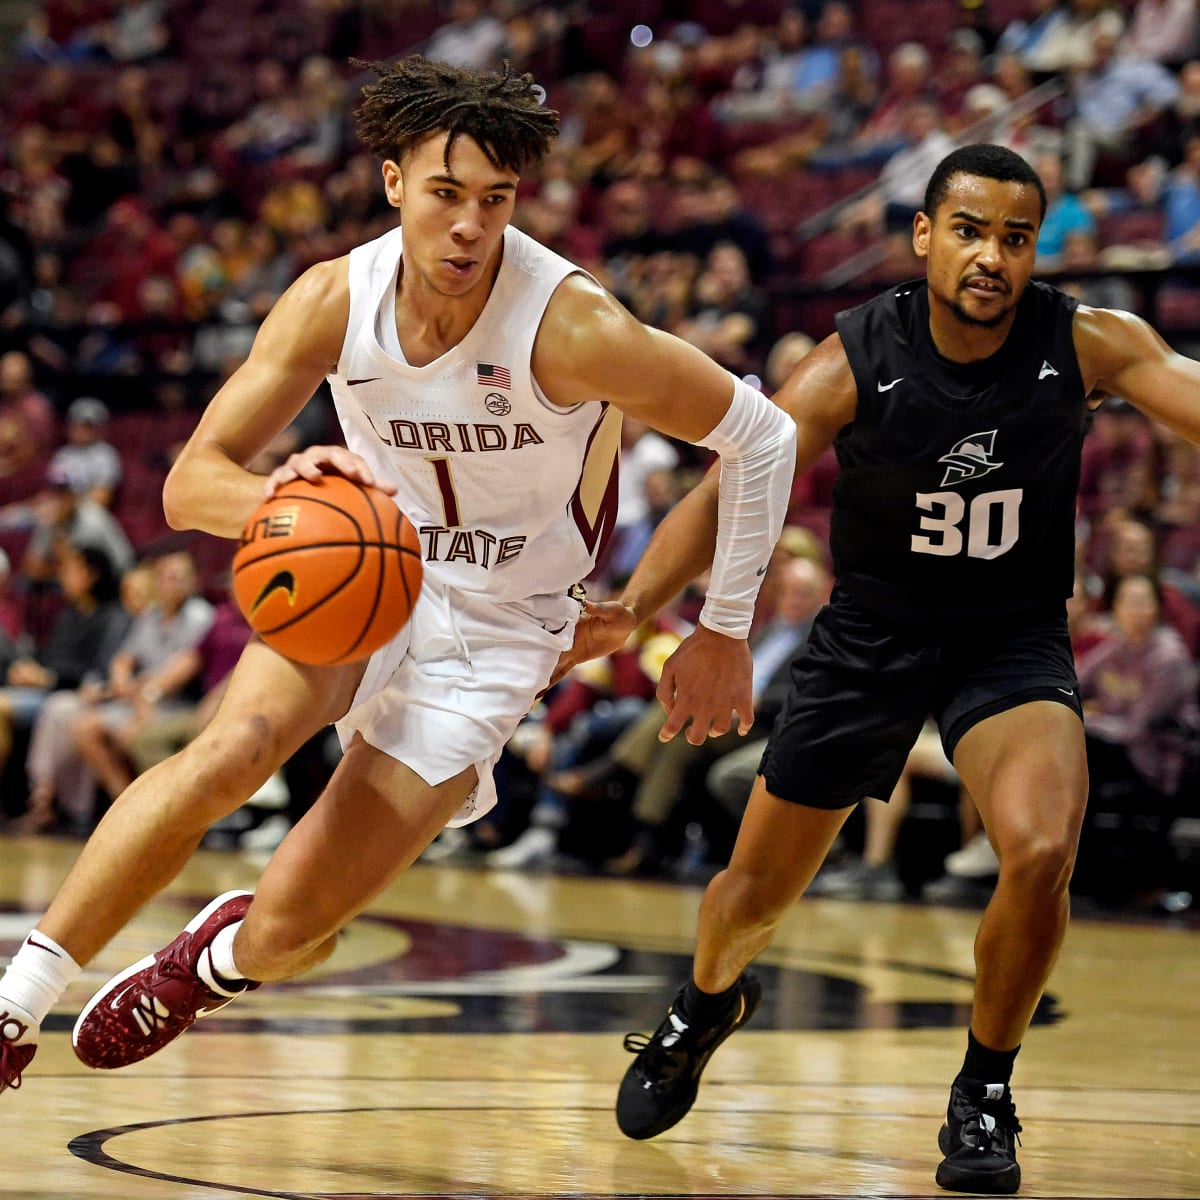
(976, 219)
(500, 186)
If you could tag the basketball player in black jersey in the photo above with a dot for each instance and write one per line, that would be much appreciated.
(957, 407)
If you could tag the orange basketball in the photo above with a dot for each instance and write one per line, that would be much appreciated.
(327, 572)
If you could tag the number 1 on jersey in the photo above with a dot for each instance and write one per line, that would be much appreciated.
(441, 472)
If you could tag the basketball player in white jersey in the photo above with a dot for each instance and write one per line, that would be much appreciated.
(480, 379)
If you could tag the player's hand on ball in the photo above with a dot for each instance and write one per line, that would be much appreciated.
(315, 461)
(602, 628)
(707, 682)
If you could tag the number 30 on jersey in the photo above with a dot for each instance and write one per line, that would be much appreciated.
(987, 527)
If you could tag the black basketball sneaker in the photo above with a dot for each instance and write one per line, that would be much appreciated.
(662, 1081)
(979, 1139)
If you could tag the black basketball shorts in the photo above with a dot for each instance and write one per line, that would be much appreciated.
(863, 687)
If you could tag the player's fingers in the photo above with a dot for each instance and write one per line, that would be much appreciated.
(665, 692)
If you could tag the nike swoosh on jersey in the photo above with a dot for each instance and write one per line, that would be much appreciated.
(887, 387)
(373, 379)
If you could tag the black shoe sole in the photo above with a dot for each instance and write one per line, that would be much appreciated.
(955, 1177)
(631, 1089)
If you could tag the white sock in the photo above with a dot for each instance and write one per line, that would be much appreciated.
(220, 954)
(38, 974)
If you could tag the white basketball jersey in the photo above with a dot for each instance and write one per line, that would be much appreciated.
(511, 496)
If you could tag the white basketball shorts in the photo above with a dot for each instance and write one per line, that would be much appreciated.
(449, 690)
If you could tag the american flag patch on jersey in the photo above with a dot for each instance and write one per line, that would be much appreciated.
(492, 375)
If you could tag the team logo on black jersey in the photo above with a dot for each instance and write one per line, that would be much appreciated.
(970, 459)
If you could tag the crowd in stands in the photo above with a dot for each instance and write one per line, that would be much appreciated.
(735, 171)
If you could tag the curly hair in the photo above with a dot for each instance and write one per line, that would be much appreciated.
(415, 97)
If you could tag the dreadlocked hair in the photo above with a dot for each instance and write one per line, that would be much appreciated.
(415, 97)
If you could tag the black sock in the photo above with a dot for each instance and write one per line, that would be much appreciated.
(705, 1008)
(985, 1065)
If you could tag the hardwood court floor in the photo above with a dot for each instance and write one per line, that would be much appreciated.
(465, 1040)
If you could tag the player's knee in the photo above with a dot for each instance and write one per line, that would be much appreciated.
(1040, 864)
(236, 751)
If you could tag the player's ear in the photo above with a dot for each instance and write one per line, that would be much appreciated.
(393, 182)
(922, 227)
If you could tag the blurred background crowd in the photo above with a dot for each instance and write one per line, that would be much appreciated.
(736, 171)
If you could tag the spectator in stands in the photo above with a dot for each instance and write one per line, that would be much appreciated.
(827, 139)
(1118, 100)
(83, 638)
(1133, 550)
(130, 249)
(708, 209)
(98, 176)
(136, 31)
(660, 288)
(135, 122)
(322, 102)
(1031, 39)
(783, 358)
(167, 711)
(275, 125)
(175, 619)
(1065, 212)
(905, 174)
(552, 217)
(472, 37)
(1081, 256)
(357, 207)
(1181, 198)
(33, 178)
(909, 83)
(673, 121)
(1064, 42)
(1162, 30)
(961, 69)
(27, 422)
(59, 517)
(662, 490)
(643, 450)
(11, 623)
(598, 134)
(1112, 482)
(1137, 682)
(653, 773)
(91, 464)
(801, 72)
(1182, 119)
(628, 231)
(729, 318)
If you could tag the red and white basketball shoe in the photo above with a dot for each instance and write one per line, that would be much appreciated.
(18, 1043)
(135, 1014)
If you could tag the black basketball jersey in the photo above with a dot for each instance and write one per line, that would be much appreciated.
(956, 496)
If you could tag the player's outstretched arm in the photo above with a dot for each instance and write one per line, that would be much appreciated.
(598, 350)
(1123, 355)
(209, 487)
(590, 348)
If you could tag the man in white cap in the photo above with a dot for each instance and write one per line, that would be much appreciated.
(92, 465)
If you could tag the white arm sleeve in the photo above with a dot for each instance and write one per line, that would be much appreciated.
(757, 444)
